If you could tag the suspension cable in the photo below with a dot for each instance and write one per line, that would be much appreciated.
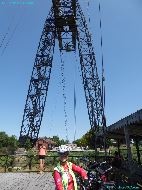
(6, 34)
(75, 100)
(77, 68)
(88, 13)
(103, 86)
(103, 78)
(12, 34)
(52, 124)
(88, 6)
(10, 38)
(64, 95)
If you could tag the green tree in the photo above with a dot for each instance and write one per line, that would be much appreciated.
(3, 139)
(8, 144)
(87, 140)
(28, 144)
(12, 144)
(58, 141)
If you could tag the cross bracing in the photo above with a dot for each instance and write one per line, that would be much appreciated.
(66, 23)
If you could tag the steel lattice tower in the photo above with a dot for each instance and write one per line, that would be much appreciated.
(65, 22)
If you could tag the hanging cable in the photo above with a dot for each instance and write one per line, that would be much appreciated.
(4, 37)
(88, 13)
(75, 95)
(103, 78)
(7, 32)
(88, 10)
(103, 87)
(75, 99)
(12, 34)
(51, 120)
(64, 95)
(10, 38)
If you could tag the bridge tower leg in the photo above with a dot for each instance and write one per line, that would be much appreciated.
(91, 81)
(39, 82)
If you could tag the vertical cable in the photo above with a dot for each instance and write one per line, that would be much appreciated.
(88, 13)
(103, 86)
(103, 78)
(64, 95)
(75, 95)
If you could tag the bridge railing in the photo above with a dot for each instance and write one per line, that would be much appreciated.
(30, 163)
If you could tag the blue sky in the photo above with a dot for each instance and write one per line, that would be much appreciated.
(122, 45)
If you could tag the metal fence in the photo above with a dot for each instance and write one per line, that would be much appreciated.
(30, 163)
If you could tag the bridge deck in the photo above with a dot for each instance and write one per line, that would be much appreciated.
(26, 181)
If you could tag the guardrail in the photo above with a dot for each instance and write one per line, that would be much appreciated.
(30, 163)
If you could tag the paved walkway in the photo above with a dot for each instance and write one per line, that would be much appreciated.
(26, 181)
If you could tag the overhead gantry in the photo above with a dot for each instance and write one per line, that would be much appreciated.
(66, 23)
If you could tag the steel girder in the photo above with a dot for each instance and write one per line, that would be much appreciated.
(67, 23)
(39, 82)
(91, 81)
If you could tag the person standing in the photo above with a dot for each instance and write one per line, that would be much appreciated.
(42, 154)
(64, 176)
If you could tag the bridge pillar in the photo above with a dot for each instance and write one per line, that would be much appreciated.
(127, 138)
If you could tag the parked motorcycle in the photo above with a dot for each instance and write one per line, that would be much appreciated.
(97, 176)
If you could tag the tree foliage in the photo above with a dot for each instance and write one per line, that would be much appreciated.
(8, 144)
(28, 144)
(87, 140)
(58, 141)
